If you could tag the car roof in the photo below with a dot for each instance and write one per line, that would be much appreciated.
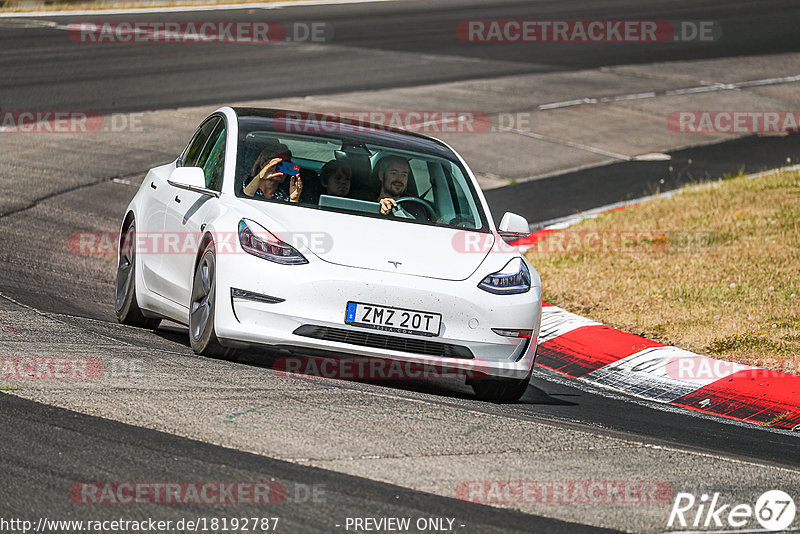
(352, 131)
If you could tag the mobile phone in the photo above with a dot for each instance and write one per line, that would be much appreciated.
(287, 167)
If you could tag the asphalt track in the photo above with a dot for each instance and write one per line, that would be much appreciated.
(608, 184)
(418, 39)
(41, 462)
(46, 449)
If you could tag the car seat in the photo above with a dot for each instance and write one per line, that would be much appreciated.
(358, 159)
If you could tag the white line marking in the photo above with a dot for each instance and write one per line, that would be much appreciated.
(568, 103)
(179, 9)
(634, 96)
(572, 144)
(672, 92)
(652, 156)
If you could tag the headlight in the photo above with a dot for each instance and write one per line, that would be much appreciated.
(511, 279)
(265, 245)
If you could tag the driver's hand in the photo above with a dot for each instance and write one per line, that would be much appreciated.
(387, 204)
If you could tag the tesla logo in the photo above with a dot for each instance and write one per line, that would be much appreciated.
(396, 264)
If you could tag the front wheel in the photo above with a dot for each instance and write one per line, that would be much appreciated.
(500, 389)
(125, 304)
(202, 336)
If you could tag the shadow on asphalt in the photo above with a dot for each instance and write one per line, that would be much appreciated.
(445, 386)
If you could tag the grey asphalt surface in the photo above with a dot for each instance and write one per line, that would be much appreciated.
(601, 186)
(418, 39)
(389, 448)
(47, 450)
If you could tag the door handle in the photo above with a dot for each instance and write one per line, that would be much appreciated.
(178, 200)
(153, 185)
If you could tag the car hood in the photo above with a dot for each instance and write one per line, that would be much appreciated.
(381, 244)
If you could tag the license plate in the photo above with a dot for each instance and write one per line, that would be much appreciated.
(393, 319)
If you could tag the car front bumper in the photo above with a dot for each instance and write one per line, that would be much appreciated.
(303, 307)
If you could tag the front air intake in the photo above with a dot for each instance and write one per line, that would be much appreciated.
(382, 341)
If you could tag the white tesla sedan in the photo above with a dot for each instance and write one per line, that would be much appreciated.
(432, 281)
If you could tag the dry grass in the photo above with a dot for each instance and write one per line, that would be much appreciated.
(714, 269)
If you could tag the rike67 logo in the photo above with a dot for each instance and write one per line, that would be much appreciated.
(774, 511)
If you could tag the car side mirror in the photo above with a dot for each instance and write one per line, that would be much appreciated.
(191, 179)
(513, 227)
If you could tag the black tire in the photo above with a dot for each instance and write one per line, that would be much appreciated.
(500, 389)
(202, 335)
(125, 304)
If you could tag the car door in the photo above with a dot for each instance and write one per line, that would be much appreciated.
(165, 195)
(150, 222)
(186, 213)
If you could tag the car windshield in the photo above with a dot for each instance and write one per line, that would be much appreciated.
(425, 178)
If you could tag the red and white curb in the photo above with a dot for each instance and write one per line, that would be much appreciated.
(579, 348)
(591, 352)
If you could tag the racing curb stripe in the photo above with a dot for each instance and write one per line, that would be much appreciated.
(603, 356)
(662, 373)
(760, 396)
(586, 350)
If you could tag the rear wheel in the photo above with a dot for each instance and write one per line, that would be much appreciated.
(202, 336)
(500, 389)
(125, 304)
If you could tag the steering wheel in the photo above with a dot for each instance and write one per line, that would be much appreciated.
(429, 213)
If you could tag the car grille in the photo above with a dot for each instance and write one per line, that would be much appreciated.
(382, 341)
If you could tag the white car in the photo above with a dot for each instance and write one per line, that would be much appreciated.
(433, 281)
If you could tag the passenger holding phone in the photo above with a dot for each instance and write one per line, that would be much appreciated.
(272, 167)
